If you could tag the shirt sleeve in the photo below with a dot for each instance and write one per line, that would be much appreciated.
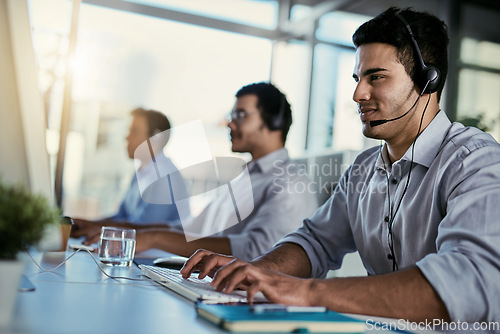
(283, 212)
(147, 212)
(141, 212)
(326, 237)
(465, 272)
(159, 213)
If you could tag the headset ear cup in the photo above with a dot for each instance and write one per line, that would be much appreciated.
(431, 74)
(278, 119)
(277, 123)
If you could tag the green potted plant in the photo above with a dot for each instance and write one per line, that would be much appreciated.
(23, 219)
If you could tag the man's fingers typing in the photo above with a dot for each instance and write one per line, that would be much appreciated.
(236, 274)
(192, 263)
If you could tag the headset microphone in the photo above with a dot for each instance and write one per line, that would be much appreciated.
(378, 122)
(383, 121)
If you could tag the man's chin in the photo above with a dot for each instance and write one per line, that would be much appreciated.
(236, 150)
(369, 132)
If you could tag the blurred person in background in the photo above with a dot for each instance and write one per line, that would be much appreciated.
(145, 125)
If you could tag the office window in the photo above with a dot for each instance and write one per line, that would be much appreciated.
(478, 103)
(299, 12)
(480, 53)
(261, 14)
(323, 94)
(125, 60)
(333, 120)
(291, 73)
(338, 27)
(479, 84)
(479, 69)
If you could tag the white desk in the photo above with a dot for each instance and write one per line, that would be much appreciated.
(78, 298)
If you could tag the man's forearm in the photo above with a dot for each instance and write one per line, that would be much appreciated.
(404, 295)
(175, 242)
(126, 224)
(290, 259)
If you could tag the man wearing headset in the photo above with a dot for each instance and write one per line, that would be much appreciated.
(422, 210)
(259, 125)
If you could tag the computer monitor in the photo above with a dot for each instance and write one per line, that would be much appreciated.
(23, 152)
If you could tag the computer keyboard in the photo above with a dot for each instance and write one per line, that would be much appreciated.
(193, 288)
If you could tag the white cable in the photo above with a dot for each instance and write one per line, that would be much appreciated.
(93, 258)
(60, 264)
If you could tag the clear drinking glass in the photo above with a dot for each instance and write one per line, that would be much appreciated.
(117, 246)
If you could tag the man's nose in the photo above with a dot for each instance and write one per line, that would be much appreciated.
(361, 93)
(232, 124)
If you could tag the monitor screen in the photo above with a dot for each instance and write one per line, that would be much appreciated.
(24, 157)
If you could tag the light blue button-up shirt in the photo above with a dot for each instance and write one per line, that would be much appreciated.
(448, 223)
(136, 210)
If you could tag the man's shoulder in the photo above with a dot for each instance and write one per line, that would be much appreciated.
(469, 138)
(468, 147)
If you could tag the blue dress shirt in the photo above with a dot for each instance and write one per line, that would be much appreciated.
(136, 210)
(448, 223)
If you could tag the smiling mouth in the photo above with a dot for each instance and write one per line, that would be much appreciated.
(365, 114)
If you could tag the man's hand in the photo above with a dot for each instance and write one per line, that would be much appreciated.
(206, 262)
(276, 287)
(84, 228)
(230, 273)
(93, 236)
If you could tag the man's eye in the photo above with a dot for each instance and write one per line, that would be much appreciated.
(374, 77)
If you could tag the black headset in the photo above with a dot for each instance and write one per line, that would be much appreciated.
(277, 121)
(428, 74)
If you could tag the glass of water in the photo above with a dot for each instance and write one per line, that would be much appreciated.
(117, 246)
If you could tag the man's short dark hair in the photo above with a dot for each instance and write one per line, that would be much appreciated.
(429, 31)
(157, 122)
(271, 102)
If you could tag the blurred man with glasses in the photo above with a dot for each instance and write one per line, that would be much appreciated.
(282, 197)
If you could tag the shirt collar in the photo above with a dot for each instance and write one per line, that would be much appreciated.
(427, 145)
(162, 162)
(266, 163)
(430, 140)
(383, 159)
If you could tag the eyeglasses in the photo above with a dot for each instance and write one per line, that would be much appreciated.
(238, 116)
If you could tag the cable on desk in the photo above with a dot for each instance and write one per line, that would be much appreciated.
(93, 258)
(60, 264)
